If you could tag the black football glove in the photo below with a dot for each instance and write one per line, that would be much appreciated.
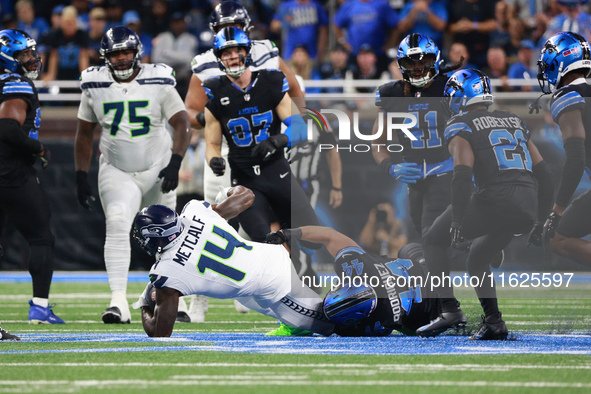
(269, 146)
(170, 173)
(550, 227)
(536, 236)
(218, 165)
(457, 238)
(278, 237)
(84, 190)
(44, 156)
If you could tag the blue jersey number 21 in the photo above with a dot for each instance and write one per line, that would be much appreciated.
(510, 149)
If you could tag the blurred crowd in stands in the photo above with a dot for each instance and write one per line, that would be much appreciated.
(332, 39)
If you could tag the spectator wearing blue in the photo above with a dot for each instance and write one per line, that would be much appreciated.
(27, 21)
(522, 69)
(572, 19)
(370, 22)
(132, 20)
(427, 16)
(302, 22)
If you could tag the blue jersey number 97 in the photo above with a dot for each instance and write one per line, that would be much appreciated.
(241, 130)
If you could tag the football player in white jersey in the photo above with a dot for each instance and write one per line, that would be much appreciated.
(265, 55)
(139, 162)
(200, 253)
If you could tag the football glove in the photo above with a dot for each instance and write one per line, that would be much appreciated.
(44, 156)
(536, 237)
(147, 298)
(284, 236)
(405, 172)
(550, 226)
(218, 165)
(170, 173)
(457, 238)
(269, 146)
(84, 190)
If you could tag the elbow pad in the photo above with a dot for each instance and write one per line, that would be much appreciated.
(461, 191)
(297, 131)
(572, 172)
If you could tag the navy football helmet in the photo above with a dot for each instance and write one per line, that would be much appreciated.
(156, 228)
(121, 38)
(348, 305)
(230, 37)
(229, 13)
(467, 87)
(419, 59)
(561, 54)
(14, 56)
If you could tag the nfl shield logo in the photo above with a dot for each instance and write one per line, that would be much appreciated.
(247, 97)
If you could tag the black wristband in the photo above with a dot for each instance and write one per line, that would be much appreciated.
(280, 140)
(386, 164)
(176, 160)
(201, 118)
(295, 233)
(81, 176)
(338, 189)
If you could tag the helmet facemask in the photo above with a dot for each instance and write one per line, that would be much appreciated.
(418, 69)
(123, 69)
(29, 62)
(236, 70)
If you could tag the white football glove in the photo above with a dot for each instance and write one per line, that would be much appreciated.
(222, 195)
(145, 298)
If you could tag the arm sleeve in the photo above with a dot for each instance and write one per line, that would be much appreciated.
(543, 175)
(572, 171)
(461, 191)
(13, 136)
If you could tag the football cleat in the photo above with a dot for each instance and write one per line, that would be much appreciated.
(240, 308)
(6, 336)
(41, 315)
(496, 331)
(198, 308)
(113, 315)
(447, 320)
(289, 331)
(182, 317)
(497, 260)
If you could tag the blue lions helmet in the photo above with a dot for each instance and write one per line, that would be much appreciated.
(348, 305)
(18, 53)
(156, 228)
(561, 54)
(467, 87)
(231, 37)
(121, 38)
(419, 59)
(229, 13)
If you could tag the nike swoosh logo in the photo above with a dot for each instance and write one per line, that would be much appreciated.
(283, 175)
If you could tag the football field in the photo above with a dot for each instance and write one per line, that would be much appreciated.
(229, 352)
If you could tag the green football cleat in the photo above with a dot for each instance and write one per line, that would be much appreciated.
(288, 331)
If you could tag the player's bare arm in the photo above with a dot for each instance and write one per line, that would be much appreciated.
(83, 145)
(14, 109)
(462, 152)
(195, 101)
(160, 322)
(294, 86)
(239, 199)
(335, 168)
(332, 239)
(182, 132)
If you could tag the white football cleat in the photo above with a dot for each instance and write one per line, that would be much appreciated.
(240, 308)
(199, 306)
(117, 312)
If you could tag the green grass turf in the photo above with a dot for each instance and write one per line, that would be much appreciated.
(81, 304)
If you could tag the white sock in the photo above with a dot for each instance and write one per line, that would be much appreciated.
(44, 302)
(118, 297)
